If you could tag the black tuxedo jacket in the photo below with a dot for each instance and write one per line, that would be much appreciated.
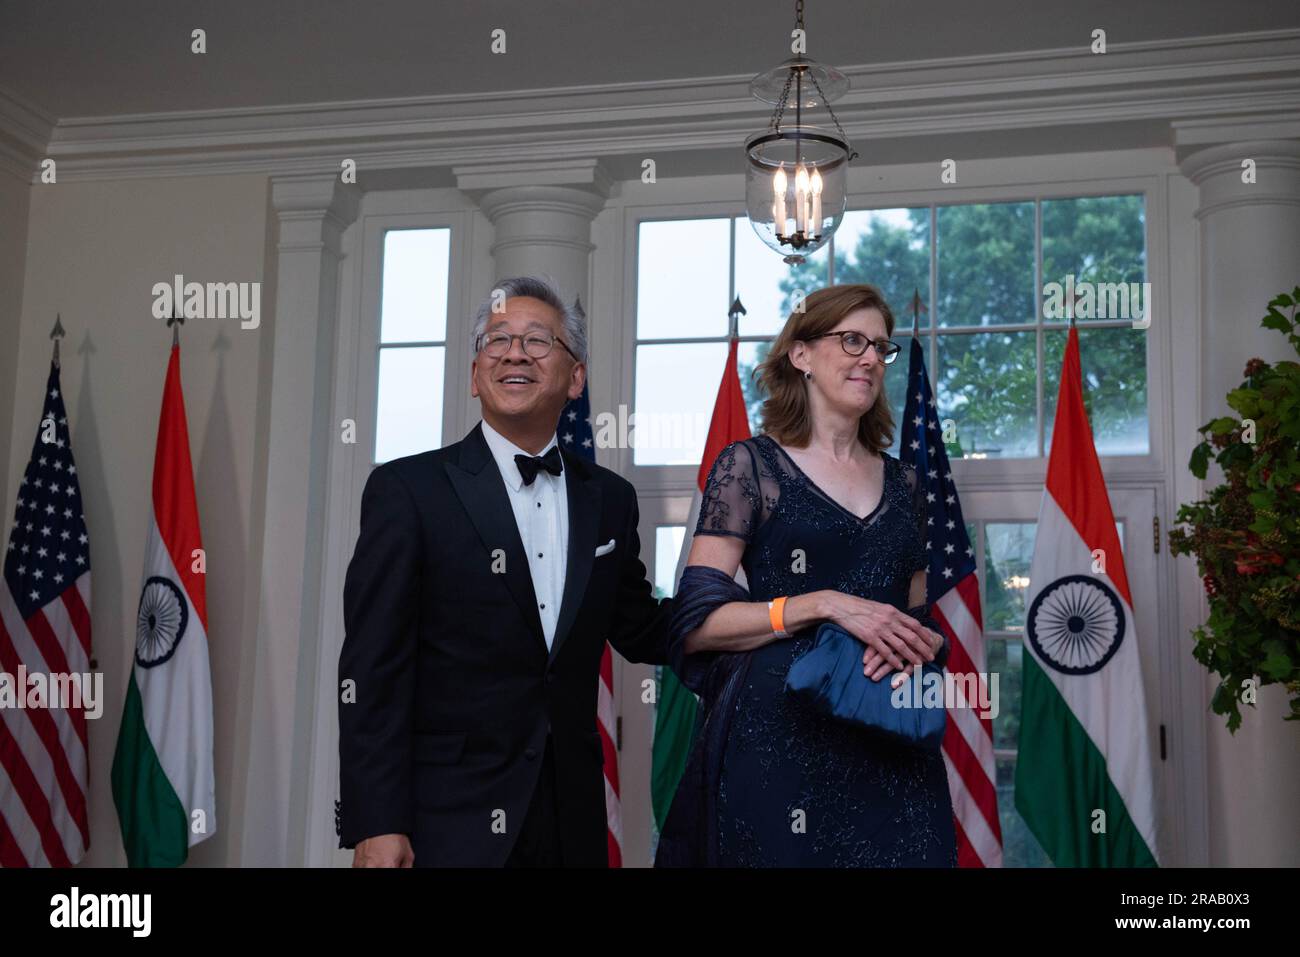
(452, 688)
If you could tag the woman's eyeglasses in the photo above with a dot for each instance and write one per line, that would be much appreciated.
(855, 343)
(536, 344)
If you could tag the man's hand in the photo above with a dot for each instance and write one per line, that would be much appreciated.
(384, 850)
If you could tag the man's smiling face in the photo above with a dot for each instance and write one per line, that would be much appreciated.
(517, 386)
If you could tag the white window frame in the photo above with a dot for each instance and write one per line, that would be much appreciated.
(981, 472)
(664, 491)
(374, 227)
(356, 392)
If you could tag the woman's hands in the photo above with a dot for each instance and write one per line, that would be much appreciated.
(875, 667)
(895, 641)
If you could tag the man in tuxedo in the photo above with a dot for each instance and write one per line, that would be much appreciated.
(487, 576)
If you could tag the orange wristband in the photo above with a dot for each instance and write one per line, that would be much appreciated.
(776, 615)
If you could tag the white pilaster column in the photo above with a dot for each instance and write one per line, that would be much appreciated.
(1250, 251)
(541, 214)
(278, 682)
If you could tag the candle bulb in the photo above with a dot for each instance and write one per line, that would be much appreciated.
(778, 206)
(815, 223)
(801, 199)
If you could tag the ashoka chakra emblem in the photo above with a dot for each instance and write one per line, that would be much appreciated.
(1076, 624)
(160, 623)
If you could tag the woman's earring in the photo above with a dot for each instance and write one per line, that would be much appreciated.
(807, 375)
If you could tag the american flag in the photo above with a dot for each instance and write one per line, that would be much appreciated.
(575, 436)
(45, 627)
(954, 595)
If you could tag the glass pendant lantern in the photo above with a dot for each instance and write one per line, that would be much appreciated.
(796, 174)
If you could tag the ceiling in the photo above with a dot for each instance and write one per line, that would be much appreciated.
(76, 58)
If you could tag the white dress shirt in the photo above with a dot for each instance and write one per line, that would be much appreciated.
(542, 516)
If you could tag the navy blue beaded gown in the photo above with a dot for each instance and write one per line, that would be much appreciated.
(788, 786)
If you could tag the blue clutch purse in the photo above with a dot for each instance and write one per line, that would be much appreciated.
(829, 678)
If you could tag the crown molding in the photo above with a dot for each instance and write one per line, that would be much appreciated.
(1241, 76)
(1208, 131)
(580, 173)
(25, 131)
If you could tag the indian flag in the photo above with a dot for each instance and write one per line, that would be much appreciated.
(1083, 772)
(163, 779)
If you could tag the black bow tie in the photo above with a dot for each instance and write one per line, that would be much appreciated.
(529, 465)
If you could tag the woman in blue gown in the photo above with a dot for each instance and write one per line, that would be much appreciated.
(771, 781)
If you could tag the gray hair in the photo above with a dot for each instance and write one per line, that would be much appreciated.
(543, 289)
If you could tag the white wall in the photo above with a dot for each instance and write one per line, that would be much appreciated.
(14, 197)
(96, 249)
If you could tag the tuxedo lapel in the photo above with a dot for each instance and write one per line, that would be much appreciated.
(584, 517)
(482, 492)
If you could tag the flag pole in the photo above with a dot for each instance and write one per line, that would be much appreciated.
(733, 314)
(918, 307)
(56, 334)
(607, 723)
(677, 706)
(175, 322)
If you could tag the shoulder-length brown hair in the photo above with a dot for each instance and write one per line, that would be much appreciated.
(785, 414)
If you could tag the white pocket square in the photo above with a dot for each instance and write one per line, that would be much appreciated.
(605, 549)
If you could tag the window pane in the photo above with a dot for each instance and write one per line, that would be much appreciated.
(986, 264)
(683, 278)
(768, 288)
(1008, 552)
(1005, 660)
(987, 386)
(896, 386)
(676, 387)
(409, 417)
(414, 303)
(1097, 239)
(668, 547)
(1019, 848)
(1114, 366)
(748, 356)
(891, 249)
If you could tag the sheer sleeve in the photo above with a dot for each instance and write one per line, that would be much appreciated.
(732, 503)
(921, 513)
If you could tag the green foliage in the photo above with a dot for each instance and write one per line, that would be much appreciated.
(988, 382)
(1246, 533)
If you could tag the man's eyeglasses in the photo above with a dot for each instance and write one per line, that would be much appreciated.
(855, 343)
(537, 345)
